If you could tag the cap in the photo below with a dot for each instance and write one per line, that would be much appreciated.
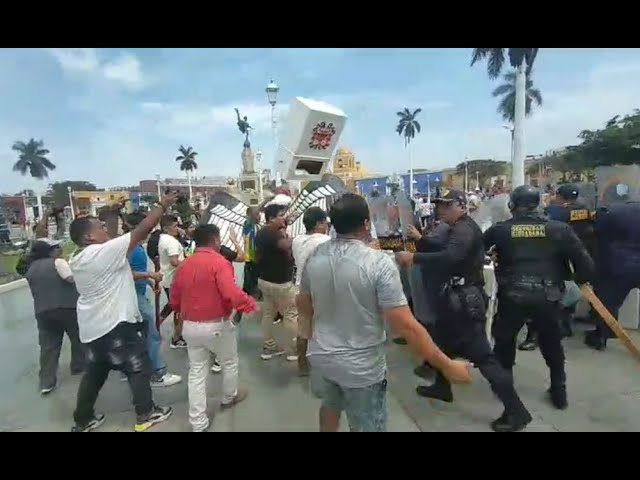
(49, 242)
(451, 196)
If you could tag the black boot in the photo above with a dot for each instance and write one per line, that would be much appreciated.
(558, 396)
(424, 371)
(594, 339)
(512, 422)
(440, 390)
(530, 343)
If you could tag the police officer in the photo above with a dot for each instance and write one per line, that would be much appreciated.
(575, 213)
(461, 306)
(534, 260)
(618, 262)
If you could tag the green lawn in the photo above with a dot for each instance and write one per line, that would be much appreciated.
(8, 262)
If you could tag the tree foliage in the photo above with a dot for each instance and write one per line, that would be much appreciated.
(507, 106)
(485, 168)
(59, 192)
(496, 58)
(32, 158)
(187, 159)
(408, 126)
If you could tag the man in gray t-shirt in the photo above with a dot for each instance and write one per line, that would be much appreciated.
(349, 289)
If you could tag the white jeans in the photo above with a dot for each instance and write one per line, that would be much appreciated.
(203, 339)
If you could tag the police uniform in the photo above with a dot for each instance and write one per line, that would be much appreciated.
(576, 214)
(462, 309)
(617, 229)
(534, 259)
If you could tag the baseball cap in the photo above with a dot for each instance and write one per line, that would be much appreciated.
(451, 196)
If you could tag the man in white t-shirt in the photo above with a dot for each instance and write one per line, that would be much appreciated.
(109, 320)
(317, 226)
(171, 255)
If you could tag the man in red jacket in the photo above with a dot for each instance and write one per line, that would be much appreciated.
(204, 291)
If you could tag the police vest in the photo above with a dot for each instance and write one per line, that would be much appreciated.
(529, 251)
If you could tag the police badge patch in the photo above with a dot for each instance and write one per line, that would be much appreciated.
(528, 231)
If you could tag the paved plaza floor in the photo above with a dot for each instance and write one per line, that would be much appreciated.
(604, 389)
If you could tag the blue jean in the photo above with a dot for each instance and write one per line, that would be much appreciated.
(366, 408)
(158, 367)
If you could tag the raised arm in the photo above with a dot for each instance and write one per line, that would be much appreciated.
(142, 231)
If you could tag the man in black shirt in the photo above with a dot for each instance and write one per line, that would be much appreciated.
(274, 263)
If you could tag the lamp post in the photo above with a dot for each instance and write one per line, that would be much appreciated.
(158, 185)
(477, 180)
(73, 212)
(272, 91)
(466, 174)
(259, 168)
(26, 215)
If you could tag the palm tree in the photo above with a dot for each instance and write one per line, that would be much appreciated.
(187, 159)
(408, 127)
(33, 158)
(507, 106)
(522, 60)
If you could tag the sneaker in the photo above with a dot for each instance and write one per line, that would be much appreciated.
(270, 352)
(179, 343)
(167, 380)
(48, 390)
(242, 394)
(123, 377)
(292, 357)
(159, 414)
(94, 423)
(216, 368)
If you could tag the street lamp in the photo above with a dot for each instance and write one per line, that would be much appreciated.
(73, 213)
(272, 91)
(511, 129)
(258, 159)
(158, 185)
(477, 180)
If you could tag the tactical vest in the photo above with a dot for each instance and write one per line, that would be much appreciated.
(580, 219)
(529, 252)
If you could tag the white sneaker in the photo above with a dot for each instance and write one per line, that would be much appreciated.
(292, 358)
(216, 368)
(167, 380)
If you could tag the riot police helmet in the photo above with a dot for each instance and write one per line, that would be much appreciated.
(525, 196)
(568, 191)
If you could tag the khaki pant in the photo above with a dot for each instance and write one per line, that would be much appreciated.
(279, 297)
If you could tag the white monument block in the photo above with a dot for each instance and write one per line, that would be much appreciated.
(308, 139)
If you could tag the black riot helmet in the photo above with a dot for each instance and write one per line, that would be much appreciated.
(568, 191)
(524, 197)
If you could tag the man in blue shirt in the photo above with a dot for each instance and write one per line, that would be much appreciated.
(139, 262)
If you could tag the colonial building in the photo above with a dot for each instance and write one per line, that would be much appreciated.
(347, 168)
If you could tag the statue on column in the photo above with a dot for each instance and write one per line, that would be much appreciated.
(244, 127)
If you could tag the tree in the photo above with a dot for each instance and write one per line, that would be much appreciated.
(60, 193)
(408, 127)
(522, 59)
(33, 158)
(618, 143)
(507, 106)
(485, 168)
(187, 159)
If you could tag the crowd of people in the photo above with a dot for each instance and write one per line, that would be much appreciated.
(335, 296)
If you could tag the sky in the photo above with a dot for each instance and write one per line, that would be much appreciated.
(117, 116)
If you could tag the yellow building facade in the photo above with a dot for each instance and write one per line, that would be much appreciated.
(347, 168)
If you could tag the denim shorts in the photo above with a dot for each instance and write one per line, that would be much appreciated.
(366, 407)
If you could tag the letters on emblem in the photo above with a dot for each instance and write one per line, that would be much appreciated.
(579, 215)
(528, 231)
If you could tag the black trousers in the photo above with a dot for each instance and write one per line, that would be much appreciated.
(52, 325)
(166, 310)
(462, 333)
(250, 281)
(546, 319)
(123, 349)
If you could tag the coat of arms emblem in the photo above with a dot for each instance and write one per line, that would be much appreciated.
(321, 136)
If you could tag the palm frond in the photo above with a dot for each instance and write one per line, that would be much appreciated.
(535, 95)
(505, 88)
(507, 107)
(46, 162)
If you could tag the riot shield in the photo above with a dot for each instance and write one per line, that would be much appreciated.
(587, 195)
(406, 214)
(617, 184)
(379, 219)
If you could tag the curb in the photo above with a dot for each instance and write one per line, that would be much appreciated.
(11, 286)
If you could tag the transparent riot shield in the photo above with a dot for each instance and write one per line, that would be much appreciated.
(617, 184)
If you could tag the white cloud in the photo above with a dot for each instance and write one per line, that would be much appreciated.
(76, 59)
(125, 69)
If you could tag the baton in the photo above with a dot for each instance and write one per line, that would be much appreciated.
(610, 320)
